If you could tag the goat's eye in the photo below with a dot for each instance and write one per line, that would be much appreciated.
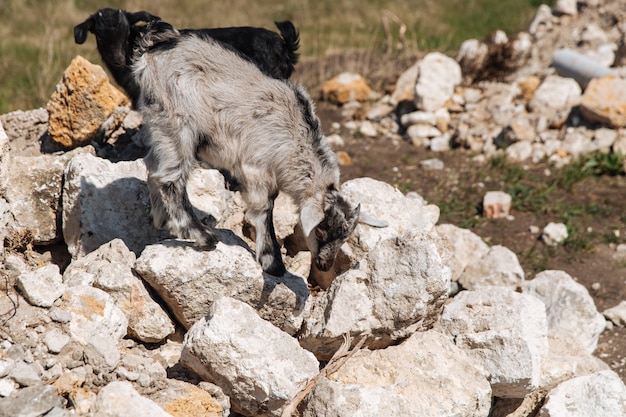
(319, 235)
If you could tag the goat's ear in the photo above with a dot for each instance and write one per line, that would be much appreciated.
(141, 17)
(82, 30)
(311, 215)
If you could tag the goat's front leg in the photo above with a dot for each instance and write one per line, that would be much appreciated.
(267, 247)
(168, 171)
(172, 210)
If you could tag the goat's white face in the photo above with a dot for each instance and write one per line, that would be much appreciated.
(327, 228)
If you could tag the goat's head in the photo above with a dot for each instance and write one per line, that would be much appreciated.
(112, 26)
(327, 223)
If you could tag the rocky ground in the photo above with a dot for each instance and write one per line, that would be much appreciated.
(103, 315)
(463, 178)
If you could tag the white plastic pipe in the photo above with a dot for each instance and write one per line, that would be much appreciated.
(569, 63)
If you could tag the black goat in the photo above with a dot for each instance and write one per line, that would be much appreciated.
(117, 33)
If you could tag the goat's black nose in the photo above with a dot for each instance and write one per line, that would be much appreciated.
(323, 265)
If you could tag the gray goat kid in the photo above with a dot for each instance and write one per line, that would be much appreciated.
(202, 101)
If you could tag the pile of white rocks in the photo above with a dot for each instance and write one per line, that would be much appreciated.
(554, 92)
(136, 324)
(103, 315)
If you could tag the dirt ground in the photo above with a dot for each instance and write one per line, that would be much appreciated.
(597, 267)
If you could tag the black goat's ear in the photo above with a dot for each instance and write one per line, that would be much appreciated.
(82, 30)
(141, 17)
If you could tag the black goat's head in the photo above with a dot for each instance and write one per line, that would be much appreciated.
(117, 33)
(110, 25)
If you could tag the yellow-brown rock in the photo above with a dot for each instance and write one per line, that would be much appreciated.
(83, 100)
(346, 87)
(528, 86)
(181, 399)
(604, 101)
(343, 158)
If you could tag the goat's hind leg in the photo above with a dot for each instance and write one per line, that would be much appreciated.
(168, 170)
(267, 247)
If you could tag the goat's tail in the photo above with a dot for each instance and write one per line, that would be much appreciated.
(292, 39)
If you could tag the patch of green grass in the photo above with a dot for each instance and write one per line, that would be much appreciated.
(508, 172)
(560, 196)
(578, 240)
(610, 237)
(600, 163)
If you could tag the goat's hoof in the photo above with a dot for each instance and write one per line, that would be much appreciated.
(206, 242)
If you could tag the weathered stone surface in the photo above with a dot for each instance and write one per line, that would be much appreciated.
(103, 201)
(4, 141)
(29, 402)
(346, 87)
(496, 205)
(56, 340)
(208, 195)
(499, 266)
(257, 365)
(464, 244)
(472, 57)
(101, 353)
(398, 287)
(555, 98)
(32, 187)
(93, 312)
(25, 374)
(418, 385)
(43, 286)
(182, 399)
(28, 126)
(190, 280)
(437, 77)
(83, 100)
(570, 309)
(566, 359)
(519, 151)
(109, 268)
(604, 101)
(489, 115)
(505, 332)
(404, 215)
(120, 399)
(554, 233)
(617, 314)
(597, 395)
(405, 86)
(569, 7)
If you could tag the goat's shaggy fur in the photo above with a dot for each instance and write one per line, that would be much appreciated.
(203, 101)
(117, 32)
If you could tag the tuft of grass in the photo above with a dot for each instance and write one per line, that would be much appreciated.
(599, 163)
